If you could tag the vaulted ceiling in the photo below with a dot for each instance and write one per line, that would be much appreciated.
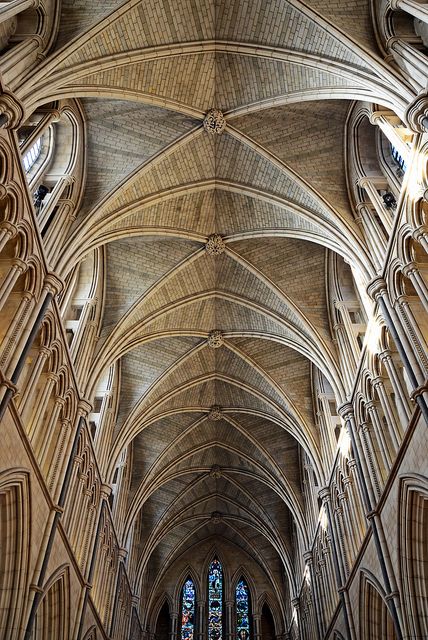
(273, 186)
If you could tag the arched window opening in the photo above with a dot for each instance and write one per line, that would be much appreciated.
(377, 621)
(398, 159)
(215, 601)
(162, 623)
(242, 598)
(188, 603)
(414, 553)
(32, 155)
(267, 624)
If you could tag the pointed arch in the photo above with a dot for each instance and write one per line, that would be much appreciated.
(413, 553)
(91, 634)
(15, 518)
(188, 609)
(215, 599)
(375, 619)
(162, 625)
(243, 609)
(53, 614)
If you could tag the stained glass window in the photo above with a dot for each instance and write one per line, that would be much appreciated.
(215, 601)
(242, 610)
(188, 610)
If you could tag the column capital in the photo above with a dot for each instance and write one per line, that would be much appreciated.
(307, 556)
(105, 491)
(377, 288)
(53, 283)
(346, 410)
(416, 113)
(324, 494)
(84, 407)
(11, 111)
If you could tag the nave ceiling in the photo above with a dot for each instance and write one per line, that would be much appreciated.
(273, 186)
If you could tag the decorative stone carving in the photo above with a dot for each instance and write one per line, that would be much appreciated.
(215, 339)
(216, 517)
(416, 114)
(216, 472)
(214, 122)
(215, 245)
(11, 111)
(215, 413)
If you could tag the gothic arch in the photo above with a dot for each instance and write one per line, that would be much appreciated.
(413, 536)
(375, 618)
(53, 613)
(15, 517)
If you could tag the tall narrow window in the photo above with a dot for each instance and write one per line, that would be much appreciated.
(215, 601)
(32, 155)
(399, 160)
(242, 600)
(188, 599)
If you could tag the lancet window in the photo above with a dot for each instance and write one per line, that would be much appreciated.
(188, 599)
(215, 601)
(242, 603)
(32, 155)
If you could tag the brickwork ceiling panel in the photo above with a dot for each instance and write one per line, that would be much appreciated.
(214, 430)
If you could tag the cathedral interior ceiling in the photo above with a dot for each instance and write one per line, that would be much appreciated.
(157, 186)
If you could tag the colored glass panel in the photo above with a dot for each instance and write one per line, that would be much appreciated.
(188, 599)
(242, 611)
(215, 601)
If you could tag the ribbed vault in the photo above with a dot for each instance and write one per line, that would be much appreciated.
(158, 185)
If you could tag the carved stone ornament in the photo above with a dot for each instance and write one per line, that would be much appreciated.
(416, 114)
(214, 122)
(215, 245)
(216, 517)
(215, 413)
(216, 472)
(11, 111)
(215, 339)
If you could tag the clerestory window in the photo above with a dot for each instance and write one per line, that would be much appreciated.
(398, 159)
(32, 155)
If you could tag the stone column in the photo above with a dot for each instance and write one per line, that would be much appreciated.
(173, 617)
(200, 627)
(379, 387)
(383, 121)
(257, 622)
(374, 237)
(230, 628)
(307, 557)
(412, 272)
(12, 8)
(39, 129)
(377, 290)
(373, 517)
(416, 9)
(368, 185)
(324, 494)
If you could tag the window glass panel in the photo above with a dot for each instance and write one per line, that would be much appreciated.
(242, 611)
(215, 601)
(188, 610)
(399, 160)
(32, 155)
